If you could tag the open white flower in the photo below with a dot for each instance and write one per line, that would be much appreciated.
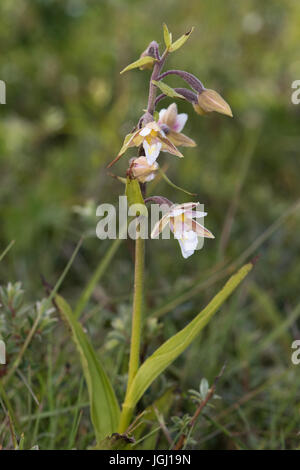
(153, 139)
(181, 219)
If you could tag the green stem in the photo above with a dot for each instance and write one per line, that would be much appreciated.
(127, 409)
(135, 328)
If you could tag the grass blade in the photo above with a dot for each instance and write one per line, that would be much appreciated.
(100, 270)
(174, 346)
(104, 407)
(6, 250)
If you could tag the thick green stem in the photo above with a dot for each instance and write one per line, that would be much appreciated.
(135, 328)
(137, 309)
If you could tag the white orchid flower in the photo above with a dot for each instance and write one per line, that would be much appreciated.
(181, 219)
(153, 139)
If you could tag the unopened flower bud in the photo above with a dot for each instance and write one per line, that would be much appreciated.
(151, 51)
(142, 171)
(210, 100)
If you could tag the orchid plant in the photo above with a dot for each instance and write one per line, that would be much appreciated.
(155, 132)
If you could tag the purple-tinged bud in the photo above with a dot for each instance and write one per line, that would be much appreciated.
(141, 170)
(151, 51)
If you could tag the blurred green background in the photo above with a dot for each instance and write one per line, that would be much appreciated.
(67, 112)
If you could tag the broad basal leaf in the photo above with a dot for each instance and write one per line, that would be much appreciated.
(174, 346)
(104, 407)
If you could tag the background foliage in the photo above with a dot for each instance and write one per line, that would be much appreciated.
(67, 112)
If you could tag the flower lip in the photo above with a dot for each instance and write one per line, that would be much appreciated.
(152, 151)
(188, 242)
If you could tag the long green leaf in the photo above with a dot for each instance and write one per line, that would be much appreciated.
(174, 346)
(104, 407)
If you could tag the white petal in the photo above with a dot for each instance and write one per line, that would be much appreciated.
(188, 242)
(185, 253)
(195, 214)
(180, 122)
(145, 131)
(161, 115)
(151, 151)
(178, 209)
(178, 232)
(150, 177)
